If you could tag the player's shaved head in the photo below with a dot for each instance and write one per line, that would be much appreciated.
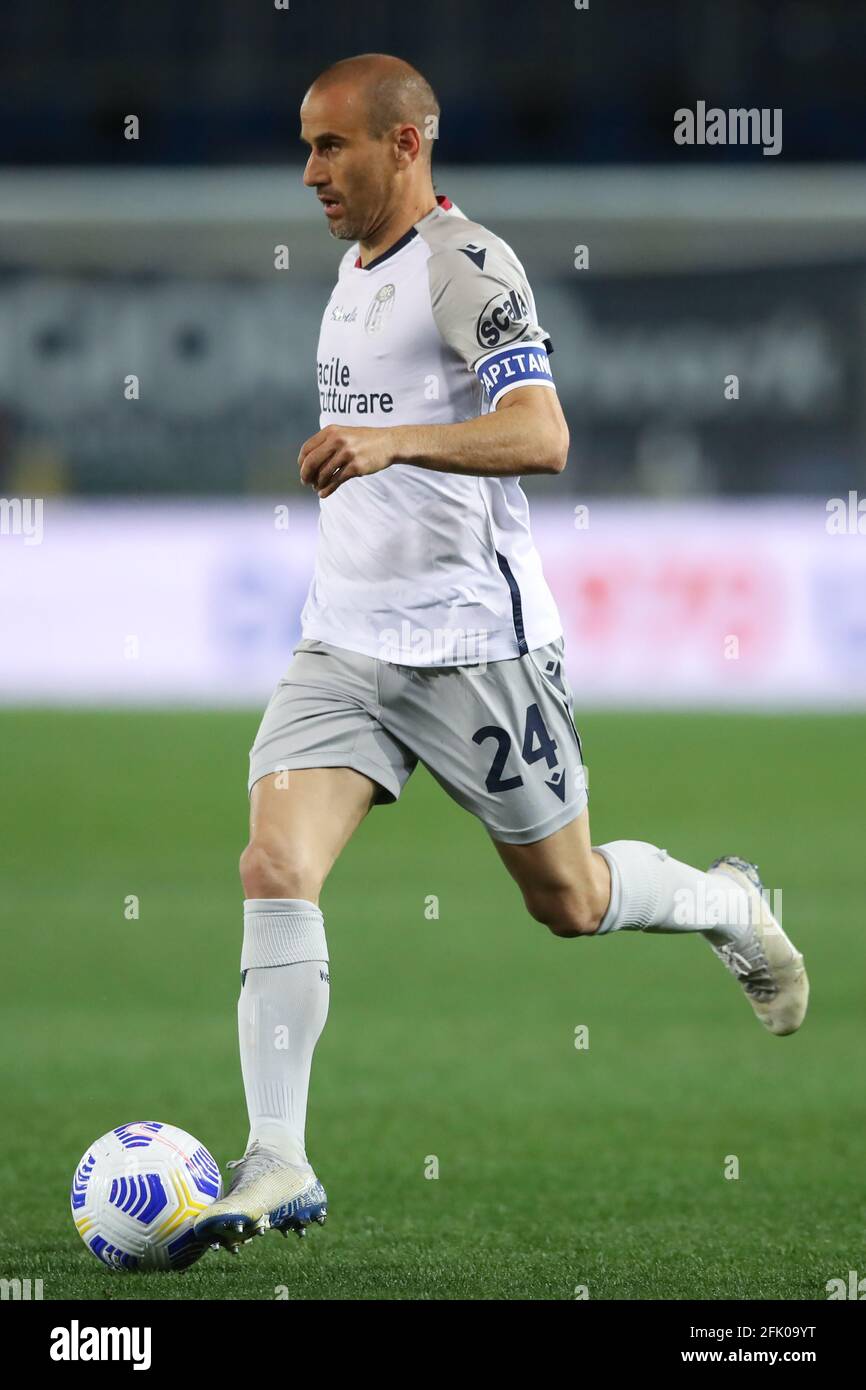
(390, 92)
(370, 123)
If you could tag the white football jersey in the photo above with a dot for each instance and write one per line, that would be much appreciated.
(414, 566)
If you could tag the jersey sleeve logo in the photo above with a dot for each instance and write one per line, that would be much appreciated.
(477, 254)
(503, 318)
(523, 365)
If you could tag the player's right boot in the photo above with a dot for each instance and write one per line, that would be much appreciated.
(766, 963)
(266, 1194)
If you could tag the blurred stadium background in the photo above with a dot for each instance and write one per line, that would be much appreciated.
(155, 256)
(687, 543)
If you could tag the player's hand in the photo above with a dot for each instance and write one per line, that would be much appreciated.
(340, 452)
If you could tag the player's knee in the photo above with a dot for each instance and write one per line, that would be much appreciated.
(270, 870)
(566, 913)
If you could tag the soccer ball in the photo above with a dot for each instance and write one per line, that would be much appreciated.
(136, 1193)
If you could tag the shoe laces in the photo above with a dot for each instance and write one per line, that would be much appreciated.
(750, 966)
(256, 1162)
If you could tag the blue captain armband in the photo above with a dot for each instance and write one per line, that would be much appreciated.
(521, 364)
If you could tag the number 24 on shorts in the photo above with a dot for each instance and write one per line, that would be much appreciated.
(537, 743)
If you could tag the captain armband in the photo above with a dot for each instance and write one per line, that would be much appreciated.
(521, 364)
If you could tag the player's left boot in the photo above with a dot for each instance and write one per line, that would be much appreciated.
(767, 964)
(266, 1194)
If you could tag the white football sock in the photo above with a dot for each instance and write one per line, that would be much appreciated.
(650, 891)
(282, 1009)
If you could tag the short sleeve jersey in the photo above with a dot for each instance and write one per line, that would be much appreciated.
(417, 566)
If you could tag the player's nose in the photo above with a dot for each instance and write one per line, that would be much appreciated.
(314, 173)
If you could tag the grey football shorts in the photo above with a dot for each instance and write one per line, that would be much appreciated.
(499, 737)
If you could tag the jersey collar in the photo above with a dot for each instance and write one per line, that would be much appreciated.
(386, 255)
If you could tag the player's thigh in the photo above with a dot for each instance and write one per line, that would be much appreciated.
(320, 759)
(300, 821)
(564, 883)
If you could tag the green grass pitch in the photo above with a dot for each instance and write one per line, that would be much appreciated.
(452, 1037)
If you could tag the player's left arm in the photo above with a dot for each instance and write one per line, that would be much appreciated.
(526, 433)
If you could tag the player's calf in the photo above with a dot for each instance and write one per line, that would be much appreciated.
(564, 882)
(566, 911)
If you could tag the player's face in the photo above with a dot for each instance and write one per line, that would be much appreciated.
(353, 174)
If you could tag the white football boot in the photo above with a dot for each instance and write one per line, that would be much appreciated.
(266, 1194)
(767, 964)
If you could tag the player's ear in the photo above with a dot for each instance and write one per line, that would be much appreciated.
(407, 143)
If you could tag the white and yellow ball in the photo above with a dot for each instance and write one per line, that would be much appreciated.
(136, 1193)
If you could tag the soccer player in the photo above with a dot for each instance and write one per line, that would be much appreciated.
(429, 633)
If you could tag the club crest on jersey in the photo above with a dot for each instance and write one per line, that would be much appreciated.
(380, 309)
(502, 319)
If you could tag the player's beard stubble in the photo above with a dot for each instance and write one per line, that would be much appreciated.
(370, 207)
(352, 226)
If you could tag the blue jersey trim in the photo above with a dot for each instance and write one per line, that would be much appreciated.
(392, 251)
(516, 604)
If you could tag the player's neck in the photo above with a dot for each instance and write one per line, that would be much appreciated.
(396, 227)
